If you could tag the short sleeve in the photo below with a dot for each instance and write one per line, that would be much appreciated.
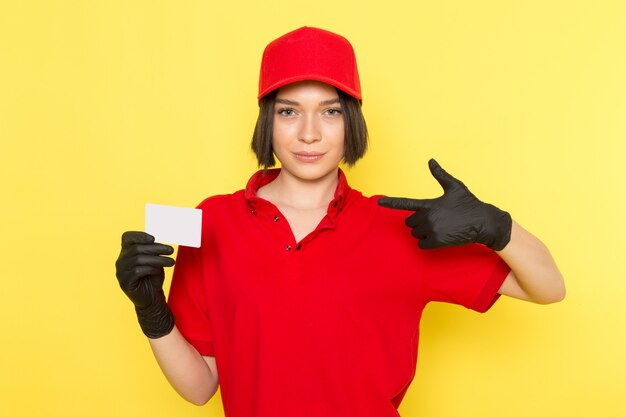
(468, 275)
(188, 300)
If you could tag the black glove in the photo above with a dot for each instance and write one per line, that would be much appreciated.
(456, 218)
(140, 273)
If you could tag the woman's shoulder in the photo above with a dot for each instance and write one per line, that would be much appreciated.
(368, 205)
(223, 201)
(371, 202)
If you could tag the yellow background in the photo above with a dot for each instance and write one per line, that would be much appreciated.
(105, 106)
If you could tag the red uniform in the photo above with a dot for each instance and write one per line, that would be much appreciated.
(327, 326)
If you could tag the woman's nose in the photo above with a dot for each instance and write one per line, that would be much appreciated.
(309, 130)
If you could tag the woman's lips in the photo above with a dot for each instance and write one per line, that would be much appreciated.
(308, 156)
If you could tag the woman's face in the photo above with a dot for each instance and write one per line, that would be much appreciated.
(308, 133)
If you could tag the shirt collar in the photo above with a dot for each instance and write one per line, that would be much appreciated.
(263, 177)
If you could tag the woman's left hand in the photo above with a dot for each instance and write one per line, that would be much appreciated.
(456, 218)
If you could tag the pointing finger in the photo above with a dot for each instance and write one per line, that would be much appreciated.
(398, 203)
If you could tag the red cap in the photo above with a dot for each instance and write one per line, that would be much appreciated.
(309, 54)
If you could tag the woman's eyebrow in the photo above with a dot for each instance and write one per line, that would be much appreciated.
(286, 101)
(331, 101)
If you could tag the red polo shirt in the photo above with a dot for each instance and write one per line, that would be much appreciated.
(327, 326)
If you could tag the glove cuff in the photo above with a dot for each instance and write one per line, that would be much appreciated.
(502, 230)
(156, 320)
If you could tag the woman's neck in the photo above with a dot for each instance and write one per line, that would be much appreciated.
(298, 193)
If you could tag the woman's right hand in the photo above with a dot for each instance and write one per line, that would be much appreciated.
(139, 271)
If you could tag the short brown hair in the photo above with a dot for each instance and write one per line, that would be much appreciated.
(356, 137)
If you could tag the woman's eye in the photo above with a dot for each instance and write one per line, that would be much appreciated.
(333, 112)
(286, 112)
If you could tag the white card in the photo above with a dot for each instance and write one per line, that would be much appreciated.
(174, 225)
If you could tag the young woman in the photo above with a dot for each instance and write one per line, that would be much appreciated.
(305, 297)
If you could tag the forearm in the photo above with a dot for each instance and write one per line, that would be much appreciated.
(185, 369)
(535, 274)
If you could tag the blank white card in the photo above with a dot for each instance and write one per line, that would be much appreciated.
(174, 225)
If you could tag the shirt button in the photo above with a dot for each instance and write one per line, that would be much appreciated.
(298, 247)
(335, 204)
(288, 247)
(276, 218)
